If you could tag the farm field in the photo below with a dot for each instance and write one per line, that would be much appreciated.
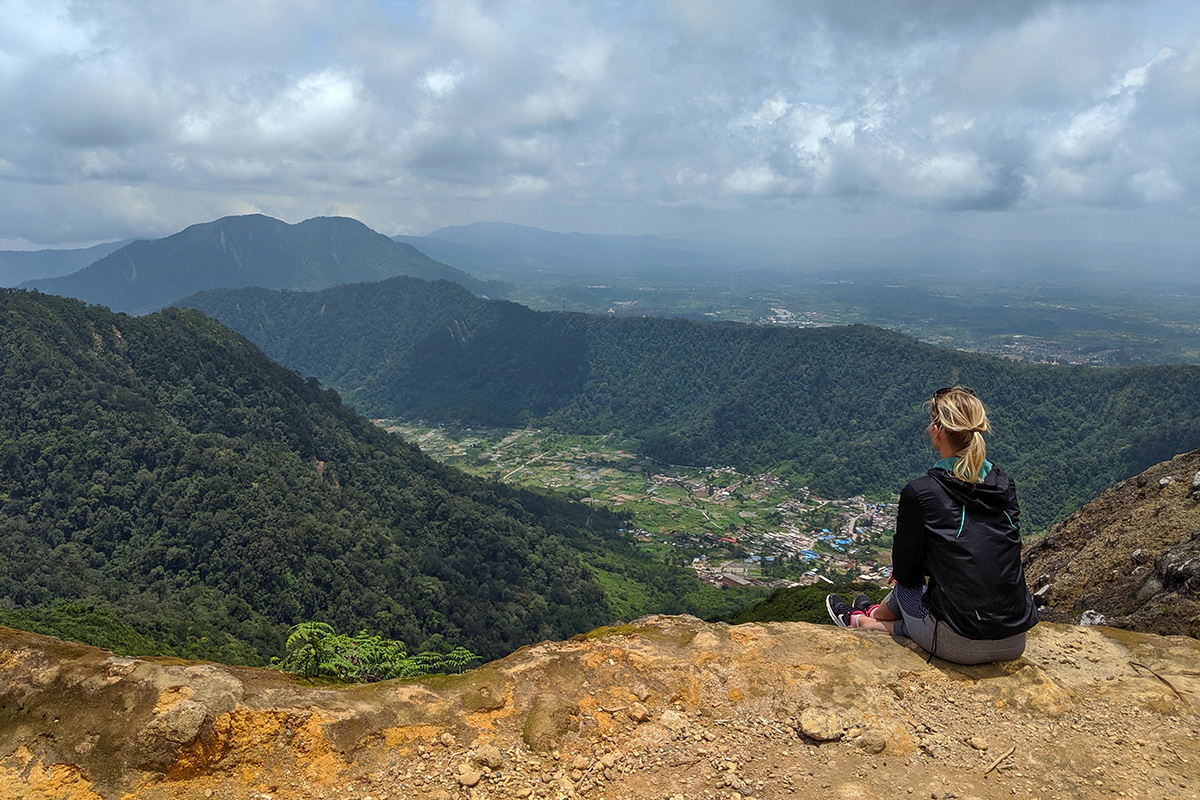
(732, 529)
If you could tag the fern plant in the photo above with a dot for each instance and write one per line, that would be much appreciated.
(315, 650)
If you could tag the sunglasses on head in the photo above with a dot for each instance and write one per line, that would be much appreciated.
(948, 389)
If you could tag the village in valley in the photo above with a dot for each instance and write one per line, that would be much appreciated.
(733, 529)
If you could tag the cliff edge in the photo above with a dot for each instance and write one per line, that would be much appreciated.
(665, 707)
(1129, 558)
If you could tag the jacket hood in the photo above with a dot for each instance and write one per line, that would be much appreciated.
(990, 494)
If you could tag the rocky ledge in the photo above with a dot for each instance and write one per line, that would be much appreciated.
(665, 707)
(1130, 558)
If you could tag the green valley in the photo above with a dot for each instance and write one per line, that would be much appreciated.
(837, 409)
(732, 529)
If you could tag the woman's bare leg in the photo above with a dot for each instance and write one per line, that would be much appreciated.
(880, 619)
(883, 614)
(872, 624)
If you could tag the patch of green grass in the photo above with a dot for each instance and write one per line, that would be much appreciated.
(80, 622)
(629, 597)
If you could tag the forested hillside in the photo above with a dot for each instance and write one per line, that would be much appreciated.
(251, 250)
(840, 408)
(162, 476)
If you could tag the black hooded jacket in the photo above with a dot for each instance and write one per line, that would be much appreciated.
(966, 537)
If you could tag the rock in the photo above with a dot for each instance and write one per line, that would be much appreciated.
(580, 763)
(638, 713)
(673, 720)
(486, 691)
(873, 742)
(609, 760)
(1091, 617)
(978, 742)
(820, 725)
(548, 721)
(1151, 587)
(1139, 556)
(488, 756)
(446, 740)
(736, 783)
(1165, 482)
(160, 740)
(1180, 566)
(1042, 596)
(468, 776)
(1196, 481)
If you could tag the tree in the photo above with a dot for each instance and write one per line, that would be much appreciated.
(308, 653)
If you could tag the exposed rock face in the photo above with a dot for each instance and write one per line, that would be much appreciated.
(1131, 556)
(770, 711)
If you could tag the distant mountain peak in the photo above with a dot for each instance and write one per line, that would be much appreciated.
(247, 250)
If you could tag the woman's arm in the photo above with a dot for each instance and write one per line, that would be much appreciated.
(908, 546)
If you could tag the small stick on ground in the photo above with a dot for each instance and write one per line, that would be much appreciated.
(996, 763)
(1160, 677)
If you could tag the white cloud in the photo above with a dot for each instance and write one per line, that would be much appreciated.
(1157, 185)
(770, 112)
(586, 63)
(441, 82)
(891, 107)
(948, 176)
(528, 185)
(101, 164)
(320, 110)
(756, 179)
(466, 24)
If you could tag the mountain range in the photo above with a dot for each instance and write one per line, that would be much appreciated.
(515, 252)
(511, 252)
(251, 250)
(166, 484)
(838, 408)
(18, 266)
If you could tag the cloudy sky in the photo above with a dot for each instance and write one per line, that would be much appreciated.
(1014, 119)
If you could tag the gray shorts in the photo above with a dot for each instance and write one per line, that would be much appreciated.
(938, 638)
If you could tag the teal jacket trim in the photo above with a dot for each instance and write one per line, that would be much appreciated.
(948, 465)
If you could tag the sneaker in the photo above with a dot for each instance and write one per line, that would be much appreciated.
(863, 603)
(839, 610)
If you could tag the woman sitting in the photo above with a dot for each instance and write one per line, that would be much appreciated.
(959, 525)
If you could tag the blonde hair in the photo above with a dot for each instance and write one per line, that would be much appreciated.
(963, 419)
